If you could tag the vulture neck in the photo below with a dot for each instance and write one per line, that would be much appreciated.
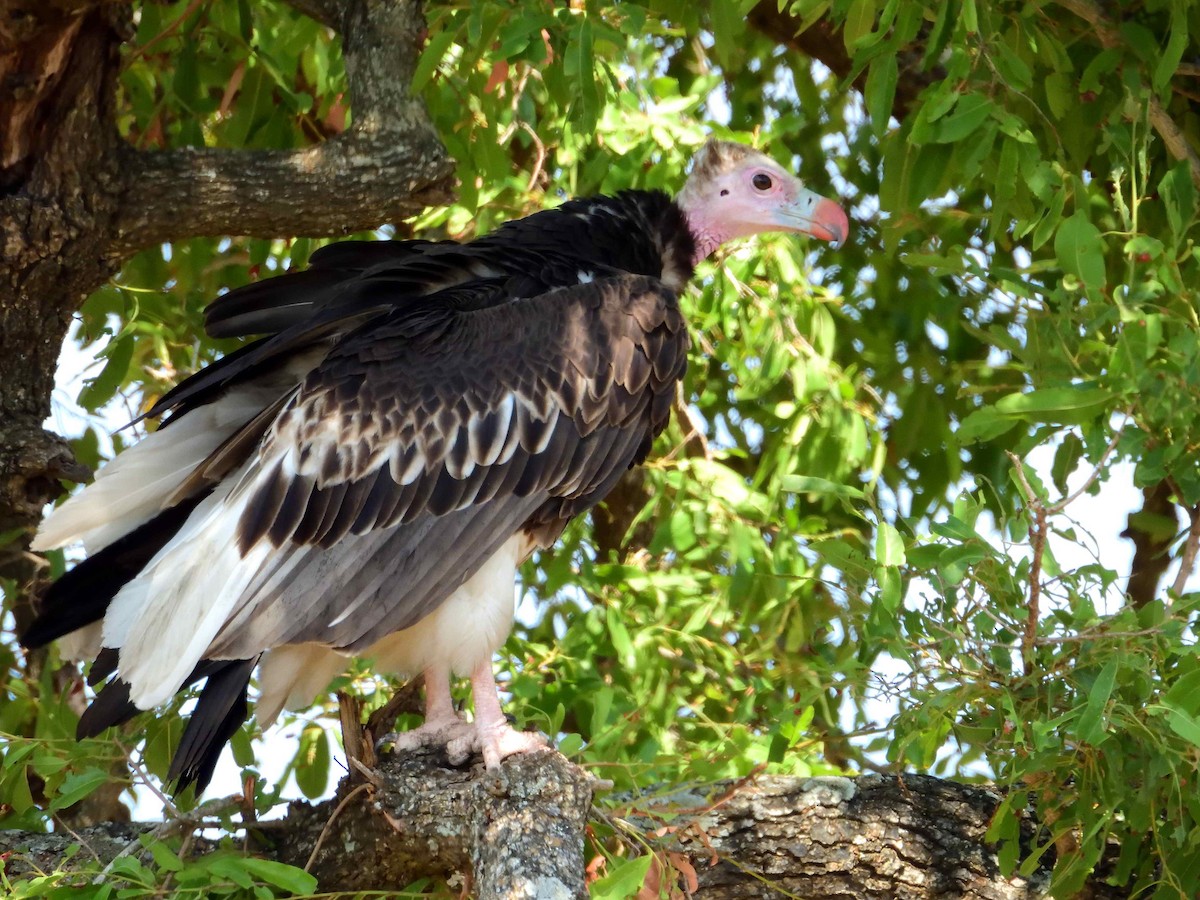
(706, 242)
(707, 235)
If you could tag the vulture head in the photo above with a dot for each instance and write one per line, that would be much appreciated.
(735, 191)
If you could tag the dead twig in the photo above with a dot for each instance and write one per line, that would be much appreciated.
(1187, 559)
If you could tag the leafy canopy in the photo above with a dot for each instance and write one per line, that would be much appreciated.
(842, 561)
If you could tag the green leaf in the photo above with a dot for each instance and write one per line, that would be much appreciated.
(889, 545)
(890, 590)
(1061, 406)
(969, 113)
(581, 56)
(1091, 724)
(624, 881)
(312, 762)
(1178, 193)
(1184, 694)
(431, 58)
(984, 425)
(881, 91)
(970, 17)
(1184, 725)
(620, 638)
(860, 19)
(956, 561)
(1066, 458)
(1080, 251)
(570, 744)
(283, 876)
(102, 388)
(1172, 54)
(1102, 63)
(1060, 94)
(164, 857)
(808, 484)
(77, 786)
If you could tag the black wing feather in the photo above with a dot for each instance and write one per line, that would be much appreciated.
(418, 400)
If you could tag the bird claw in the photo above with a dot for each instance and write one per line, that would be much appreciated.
(436, 733)
(497, 743)
(461, 740)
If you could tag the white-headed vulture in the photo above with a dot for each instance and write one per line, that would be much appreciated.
(366, 478)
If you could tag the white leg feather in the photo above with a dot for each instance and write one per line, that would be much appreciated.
(290, 677)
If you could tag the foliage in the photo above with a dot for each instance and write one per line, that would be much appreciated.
(851, 553)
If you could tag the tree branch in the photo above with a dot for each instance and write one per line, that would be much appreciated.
(332, 188)
(327, 12)
(1152, 529)
(1187, 557)
(823, 42)
(1160, 120)
(520, 833)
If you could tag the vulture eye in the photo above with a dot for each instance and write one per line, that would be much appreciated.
(762, 181)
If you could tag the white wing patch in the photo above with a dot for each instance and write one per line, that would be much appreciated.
(131, 489)
(163, 621)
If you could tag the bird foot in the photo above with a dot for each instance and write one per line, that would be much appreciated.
(496, 742)
(440, 732)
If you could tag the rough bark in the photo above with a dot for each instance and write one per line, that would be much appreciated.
(520, 834)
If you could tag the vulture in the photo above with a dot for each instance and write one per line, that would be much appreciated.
(412, 420)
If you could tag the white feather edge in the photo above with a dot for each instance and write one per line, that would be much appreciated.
(130, 489)
(163, 620)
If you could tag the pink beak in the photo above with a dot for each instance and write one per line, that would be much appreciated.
(813, 214)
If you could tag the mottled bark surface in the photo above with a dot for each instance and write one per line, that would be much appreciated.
(520, 834)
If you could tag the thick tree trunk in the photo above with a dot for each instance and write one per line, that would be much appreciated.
(520, 834)
(60, 176)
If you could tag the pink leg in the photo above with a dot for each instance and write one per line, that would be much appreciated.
(491, 735)
(439, 707)
(442, 723)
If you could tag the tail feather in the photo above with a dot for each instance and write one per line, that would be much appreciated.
(83, 594)
(133, 488)
(220, 711)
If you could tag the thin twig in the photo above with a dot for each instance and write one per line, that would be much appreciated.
(1037, 542)
(169, 807)
(539, 162)
(312, 858)
(695, 427)
(80, 839)
(1187, 559)
(183, 17)
(1091, 479)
